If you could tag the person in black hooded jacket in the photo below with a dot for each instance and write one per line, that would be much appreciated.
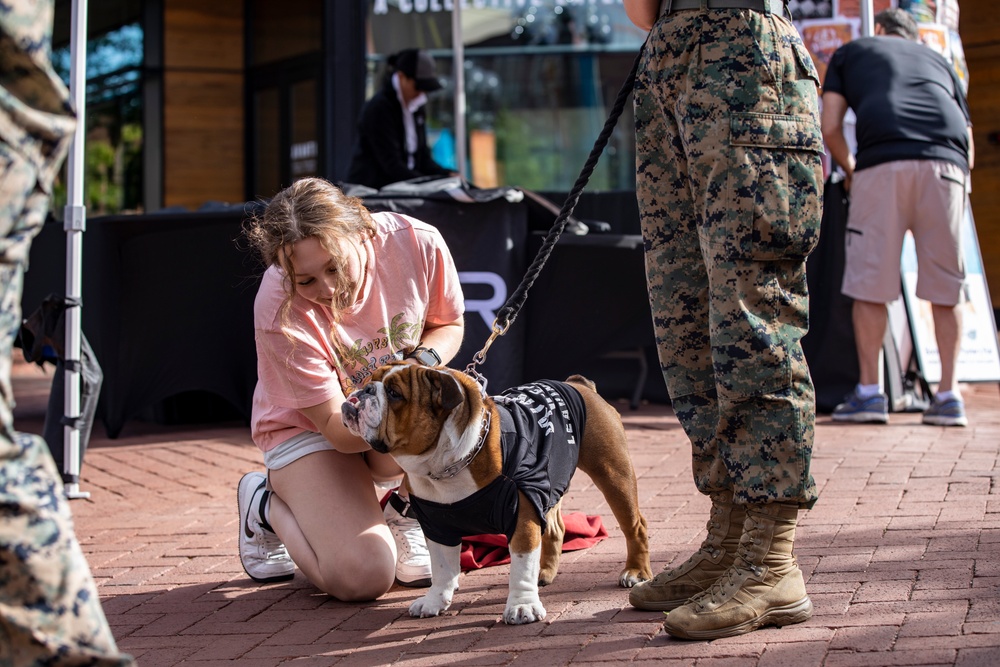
(391, 142)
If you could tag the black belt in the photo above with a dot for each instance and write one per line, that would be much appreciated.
(766, 6)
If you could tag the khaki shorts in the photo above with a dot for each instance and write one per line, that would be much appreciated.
(926, 198)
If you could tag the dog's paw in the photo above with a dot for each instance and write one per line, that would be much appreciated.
(429, 605)
(519, 614)
(629, 578)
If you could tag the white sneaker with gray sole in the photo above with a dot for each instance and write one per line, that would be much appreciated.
(262, 554)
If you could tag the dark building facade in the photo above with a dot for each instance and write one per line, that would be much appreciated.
(194, 103)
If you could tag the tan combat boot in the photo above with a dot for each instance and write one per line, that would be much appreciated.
(675, 586)
(763, 586)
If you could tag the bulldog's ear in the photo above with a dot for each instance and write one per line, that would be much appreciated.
(446, 390)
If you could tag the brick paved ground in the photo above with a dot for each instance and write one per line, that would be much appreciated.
(901, 557)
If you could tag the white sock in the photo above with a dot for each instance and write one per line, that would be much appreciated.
(389, 485)
(867, 390)
(943, 396)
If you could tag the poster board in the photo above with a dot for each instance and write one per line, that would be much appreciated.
(979, 358)
(826, 25)
(823, 38)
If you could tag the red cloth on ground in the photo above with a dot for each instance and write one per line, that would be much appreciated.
(479, 551)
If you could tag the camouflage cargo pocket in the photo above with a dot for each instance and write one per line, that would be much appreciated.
(774, 194)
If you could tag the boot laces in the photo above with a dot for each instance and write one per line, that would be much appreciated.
(708, 547)
(732, 578)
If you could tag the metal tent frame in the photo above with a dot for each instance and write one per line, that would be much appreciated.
(75, 222)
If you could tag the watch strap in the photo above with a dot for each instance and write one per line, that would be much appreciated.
(427, 356)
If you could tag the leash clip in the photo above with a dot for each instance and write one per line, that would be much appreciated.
(480, 357)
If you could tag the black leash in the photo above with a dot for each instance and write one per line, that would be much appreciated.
(507, 314)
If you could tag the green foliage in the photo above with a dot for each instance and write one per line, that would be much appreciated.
(103, 195)
(545, 149)
(515, 153)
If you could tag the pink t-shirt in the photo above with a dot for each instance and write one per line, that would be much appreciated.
(412, 281)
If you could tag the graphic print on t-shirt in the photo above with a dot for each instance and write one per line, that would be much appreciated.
(362, 358)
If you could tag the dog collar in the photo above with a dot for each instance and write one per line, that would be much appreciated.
(478, 377)
(461, 464)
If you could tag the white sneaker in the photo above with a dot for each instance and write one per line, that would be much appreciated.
(413, 561)
(262, 554)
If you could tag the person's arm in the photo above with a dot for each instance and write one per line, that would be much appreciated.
(446, 339)
(327, 420)
(296, 370)
(963, 104)
(642, 13)
(832, 125)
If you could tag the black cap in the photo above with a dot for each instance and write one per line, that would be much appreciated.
(418, 65)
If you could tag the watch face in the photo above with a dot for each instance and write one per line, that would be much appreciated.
(426, 356)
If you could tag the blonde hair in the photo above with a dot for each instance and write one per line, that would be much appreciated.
(309, 208)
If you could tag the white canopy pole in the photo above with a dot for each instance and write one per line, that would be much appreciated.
(867, 18)
(458, 62)
(75, 221)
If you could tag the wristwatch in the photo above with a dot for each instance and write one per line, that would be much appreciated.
(426, 356)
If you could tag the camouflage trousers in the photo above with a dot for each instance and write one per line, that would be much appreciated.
(50, 613)
(729, 184)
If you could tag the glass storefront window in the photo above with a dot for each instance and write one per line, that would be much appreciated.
(304, 150)
(285, 82)
(114, 137)
(540, 80)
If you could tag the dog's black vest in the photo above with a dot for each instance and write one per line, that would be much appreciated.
(541, 425)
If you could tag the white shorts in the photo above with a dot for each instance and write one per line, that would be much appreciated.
(926, 198)
(295, 448)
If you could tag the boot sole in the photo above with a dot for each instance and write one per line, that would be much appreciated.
(667, 605)
(797, 612)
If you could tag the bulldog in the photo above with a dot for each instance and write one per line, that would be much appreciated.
(477, 464)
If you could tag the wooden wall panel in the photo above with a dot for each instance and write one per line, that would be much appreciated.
(203, 102)
(980, 31)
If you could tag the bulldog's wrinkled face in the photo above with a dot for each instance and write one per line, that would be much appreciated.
(403, 408)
